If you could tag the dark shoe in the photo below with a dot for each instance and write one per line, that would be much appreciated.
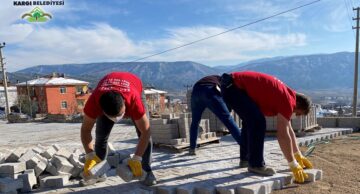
(150, 179)
(91, 181)
(266, 171)
(192, 152)
(243, 164)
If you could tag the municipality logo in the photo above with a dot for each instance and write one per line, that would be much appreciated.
(36, 15)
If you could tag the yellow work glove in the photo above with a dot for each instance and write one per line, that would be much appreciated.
(91, 159)
(298, 172)
(135, 165)
(304, 162)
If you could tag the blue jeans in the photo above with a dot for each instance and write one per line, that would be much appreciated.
(103, 129)
(206, 96)
(253, 125)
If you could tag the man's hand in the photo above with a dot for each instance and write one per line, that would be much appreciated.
(91, 159)
(298, 172)
(135, 165)
(304, 162)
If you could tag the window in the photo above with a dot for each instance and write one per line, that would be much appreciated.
(79, 89)
(62, 90)
(64, 105)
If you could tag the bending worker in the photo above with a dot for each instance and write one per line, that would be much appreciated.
(255, 95)
(118, 94)
(206, 94)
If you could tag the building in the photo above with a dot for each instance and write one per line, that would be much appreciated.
(53, 95)
(12, 96)
(155, 100)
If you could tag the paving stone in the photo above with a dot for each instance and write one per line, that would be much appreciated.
(54, 181)
(15, 155)
(49, 153)
(29, 180)
(114, 160)
(27, 156)
(62, 164)
(12, 168)
(165, 190)
(64, 153)
(251, 189)
(38, 163)
(110, 148)
(100, 169)
(314, 174)
(10, 185)
(2, 158)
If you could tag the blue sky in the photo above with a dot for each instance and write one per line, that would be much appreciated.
(124, 30)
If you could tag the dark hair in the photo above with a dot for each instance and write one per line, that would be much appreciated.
(111, 103)
(303, 103)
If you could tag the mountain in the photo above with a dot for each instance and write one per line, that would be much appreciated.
(308, 72)
(163, 75)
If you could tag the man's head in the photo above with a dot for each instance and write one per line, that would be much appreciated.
(112, 104)
(303, 104)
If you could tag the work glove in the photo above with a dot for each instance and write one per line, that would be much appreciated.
(135, 165)
(304, 162)
(298, 172)
(91, 159)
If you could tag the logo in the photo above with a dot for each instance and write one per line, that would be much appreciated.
(37, 15)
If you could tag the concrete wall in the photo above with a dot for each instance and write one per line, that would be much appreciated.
(341, 122)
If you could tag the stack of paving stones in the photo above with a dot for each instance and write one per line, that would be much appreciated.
(23, 170)
(175, 130)
(299, 123)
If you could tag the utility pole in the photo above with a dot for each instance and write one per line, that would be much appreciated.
(187, 87)
(7, 108)
(356, 60)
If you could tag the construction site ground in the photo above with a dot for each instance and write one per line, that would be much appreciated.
(215, 166)
(340, 161)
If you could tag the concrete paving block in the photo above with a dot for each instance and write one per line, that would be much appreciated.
(54, 181)
(251, 189)
(123, 154)
(64, 153)
(165, 190)
(2, 158)
(12, 168)
(110, 148)
(204, 190)
(62, 164)
(100, 169)
(27, 156)
(50, 168)
(186, 189)
(114, 160)
(49, 153)
(158, 122)
(38, 163)
(225, 190)
(314, 174)
(15, 155)
(10, 185)
(29, 180)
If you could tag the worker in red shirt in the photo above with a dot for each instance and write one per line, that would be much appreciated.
(118, 95)
(253, 96)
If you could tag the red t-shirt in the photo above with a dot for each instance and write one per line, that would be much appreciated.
(130, 88)
(269, 93)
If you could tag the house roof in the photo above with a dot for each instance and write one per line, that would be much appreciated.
(153, 91)
(52, 81)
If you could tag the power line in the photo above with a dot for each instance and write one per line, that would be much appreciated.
(349, 17)
(232, 29)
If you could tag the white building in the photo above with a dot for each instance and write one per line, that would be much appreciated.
(12, 95)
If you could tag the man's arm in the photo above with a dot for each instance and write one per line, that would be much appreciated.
(284, 137)
(295, 146)
(144, 127)
(86, 138)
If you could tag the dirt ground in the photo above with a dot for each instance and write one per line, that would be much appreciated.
(340, 162)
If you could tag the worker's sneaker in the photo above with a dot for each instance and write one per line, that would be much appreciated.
(150, 179)
(266, 171)
(91, 181)
(243, 164)
(192, 152)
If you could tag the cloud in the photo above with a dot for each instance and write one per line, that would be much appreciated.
(339, 19)
(102, 42)
(230, 46)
